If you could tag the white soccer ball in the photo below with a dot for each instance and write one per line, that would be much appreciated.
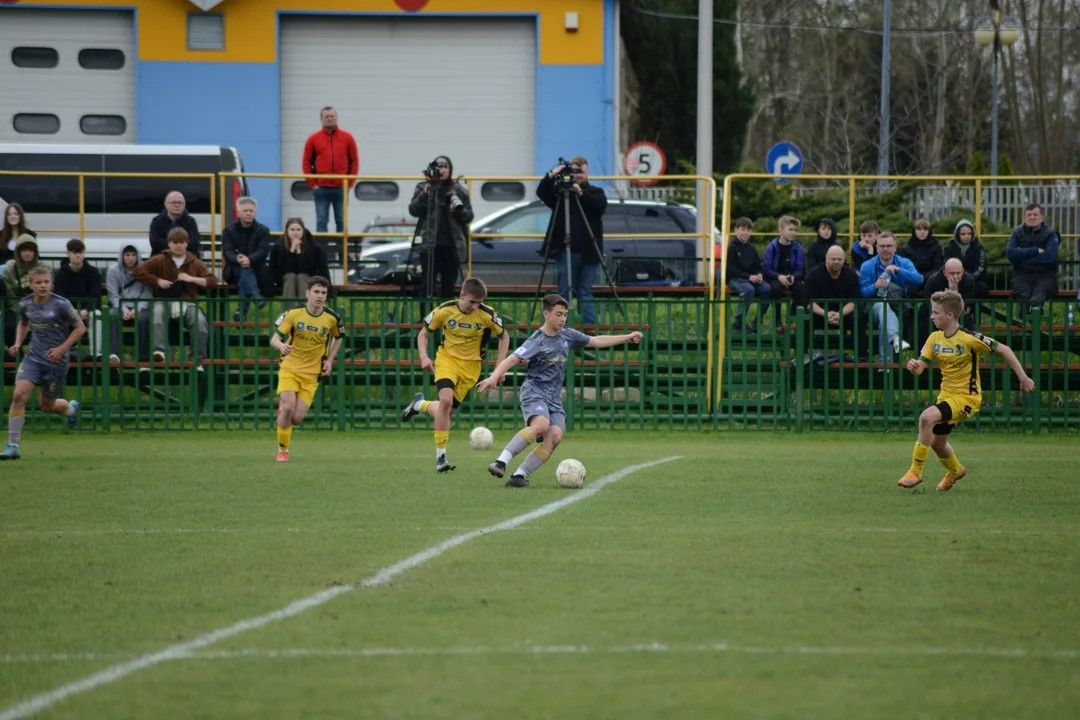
(481, 438)
(570, 474)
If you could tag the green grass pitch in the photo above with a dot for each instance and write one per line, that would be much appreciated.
(760, 575)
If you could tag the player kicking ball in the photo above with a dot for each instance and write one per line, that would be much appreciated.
(546, 353)
(466, 325)
(57, 327)
(957, 352)
(308, 339)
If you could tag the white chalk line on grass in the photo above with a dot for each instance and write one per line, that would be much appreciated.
(214, 531)
(185, 649)
(529, 649)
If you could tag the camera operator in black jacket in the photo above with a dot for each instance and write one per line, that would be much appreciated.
(447, 247)
(585, 255)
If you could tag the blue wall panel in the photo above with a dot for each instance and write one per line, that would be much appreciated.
(572, 117)
(232, 104)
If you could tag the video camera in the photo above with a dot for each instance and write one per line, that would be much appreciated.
(433, 172)
(566, 177)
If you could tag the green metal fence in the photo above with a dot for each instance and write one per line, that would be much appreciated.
(789, 374)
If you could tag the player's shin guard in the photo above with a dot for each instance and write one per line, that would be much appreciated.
(424, 405)
(918, 458)
(442, 437)
(15, 426)
(951, 464)
(284, 435)
(519, 442)
(536, 458)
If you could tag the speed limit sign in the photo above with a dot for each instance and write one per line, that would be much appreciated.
(643, 162)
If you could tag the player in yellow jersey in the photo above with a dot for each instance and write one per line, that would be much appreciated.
(466, 325)
(957, 351)
(308, 339)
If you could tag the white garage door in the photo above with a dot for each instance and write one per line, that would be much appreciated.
(409, 89)
(67, 76)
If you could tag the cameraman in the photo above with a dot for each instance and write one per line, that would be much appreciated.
(585, 256)
(448, 247)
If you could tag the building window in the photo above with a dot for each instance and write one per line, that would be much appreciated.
(206, 31)
(300, 190)
(503, 191)
(34, 57)
(101, 59)
(372, 191)
(103, 125)
(37, 123)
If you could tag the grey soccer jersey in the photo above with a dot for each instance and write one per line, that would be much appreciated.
(547, 356)
(50, 323)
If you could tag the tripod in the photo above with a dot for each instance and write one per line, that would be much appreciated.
(563, 201)
(427, 260)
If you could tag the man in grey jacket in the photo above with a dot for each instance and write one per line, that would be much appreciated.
(442, 251)
(128, 305)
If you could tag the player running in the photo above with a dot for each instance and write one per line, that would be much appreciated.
(957, 351)
(57, 327)
(546, 354)
(308, 339)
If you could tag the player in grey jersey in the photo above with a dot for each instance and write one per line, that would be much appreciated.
(546, 353)
(57, 326)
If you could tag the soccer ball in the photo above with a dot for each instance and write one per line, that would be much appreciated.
(570, 474)
(480, 438)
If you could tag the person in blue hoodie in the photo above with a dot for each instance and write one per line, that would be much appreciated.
(784, 265)
(887, 276)
(1033, 251)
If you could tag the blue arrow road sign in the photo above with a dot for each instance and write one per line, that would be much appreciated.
(784, 159)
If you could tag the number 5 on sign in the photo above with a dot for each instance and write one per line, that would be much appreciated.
(643, 162)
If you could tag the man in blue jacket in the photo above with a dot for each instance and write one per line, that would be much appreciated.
(784, 265)
(1033, 251)
(887, 276)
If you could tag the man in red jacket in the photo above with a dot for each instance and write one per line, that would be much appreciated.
(330, 151)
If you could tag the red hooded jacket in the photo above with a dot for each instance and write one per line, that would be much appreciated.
(330, 154)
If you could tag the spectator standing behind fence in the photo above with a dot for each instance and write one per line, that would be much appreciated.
(965, 247)
(448, 245)
(175, 215)
(13, 227)
(866, 247)
(80, 283)
(745, 277)
(887, 277)
(1033, 251)
(785, 262)
(826, 238)
(245, 244)
(295, 259)
(177, 276)
(924, 252)
(329, 151)
(585, 255)
(129, 304)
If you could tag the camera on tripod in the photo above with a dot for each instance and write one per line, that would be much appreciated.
(566, 177)
(433, 172)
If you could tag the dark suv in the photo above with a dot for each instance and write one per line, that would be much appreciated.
(640, 260)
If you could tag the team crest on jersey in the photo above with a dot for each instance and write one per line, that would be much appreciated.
(937, 347)
(451, 323)
(300, 326)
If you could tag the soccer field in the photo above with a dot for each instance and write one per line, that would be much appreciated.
(757, 575)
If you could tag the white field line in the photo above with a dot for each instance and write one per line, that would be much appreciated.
(528, 649)
(183, 650)
(211, 531)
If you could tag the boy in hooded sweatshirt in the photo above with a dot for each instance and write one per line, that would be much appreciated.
(80, 283)
(17, 274)
(826, 238)
(966, 248)
(129, 304)
(924, 252)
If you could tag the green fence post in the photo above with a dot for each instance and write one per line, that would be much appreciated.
(105, 346)
(800, 376)
(1036, 370)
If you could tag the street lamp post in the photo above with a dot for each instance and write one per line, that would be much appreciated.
(996, 30)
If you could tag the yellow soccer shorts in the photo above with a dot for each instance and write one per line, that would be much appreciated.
(303, 385)
(954, 410)
(460, 375)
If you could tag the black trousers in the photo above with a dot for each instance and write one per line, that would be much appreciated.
(1034, 288)
(796, 295)
(444, 273)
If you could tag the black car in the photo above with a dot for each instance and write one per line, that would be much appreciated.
(639, 260)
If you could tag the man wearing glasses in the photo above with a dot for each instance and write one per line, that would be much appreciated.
(174, 215)
(443, 245)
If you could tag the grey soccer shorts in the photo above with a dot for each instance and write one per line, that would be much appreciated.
(50, 377)
(533, 404)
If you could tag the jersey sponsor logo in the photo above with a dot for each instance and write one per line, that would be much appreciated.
(464, 325)
(947, 351)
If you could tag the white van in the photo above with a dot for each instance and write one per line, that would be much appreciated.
(118, 211)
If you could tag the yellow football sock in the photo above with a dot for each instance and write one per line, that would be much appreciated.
(951, 464)
(918, 458)
(441, 438)
(528, 435)
(424, 406)
(284, 435)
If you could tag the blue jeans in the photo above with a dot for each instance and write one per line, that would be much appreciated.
(746, 291)
(584, 277)
(889, 328)
(324, 198)
(247, 287)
